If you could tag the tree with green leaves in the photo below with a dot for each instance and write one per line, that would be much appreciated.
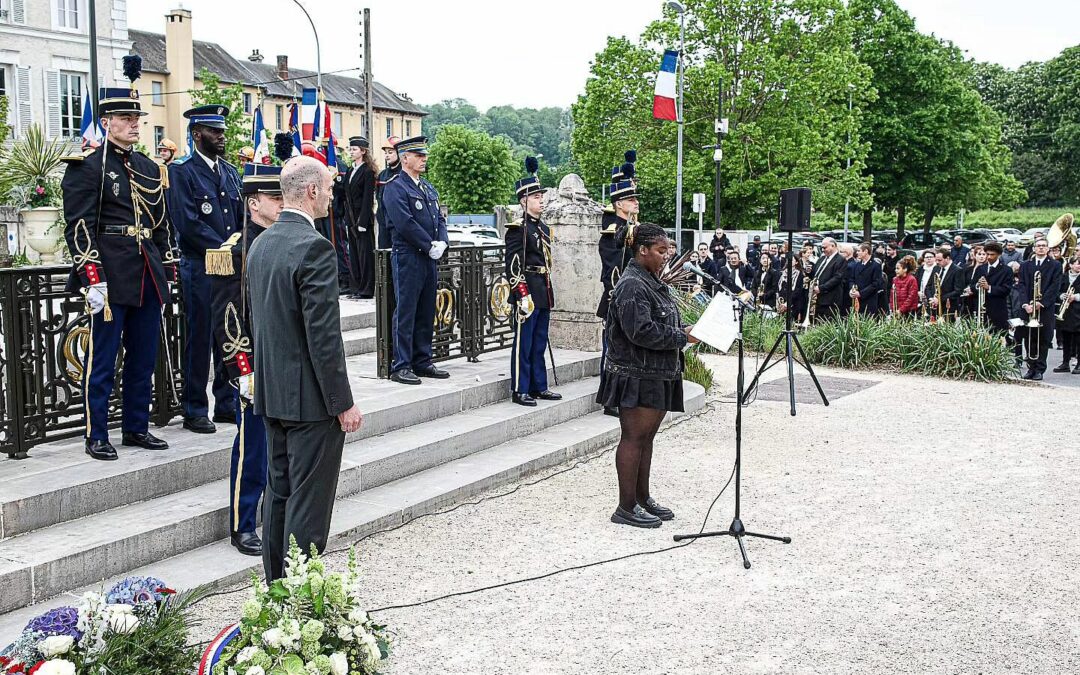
(471, 170)
(237, 131)
(783, 66)
(5, 130)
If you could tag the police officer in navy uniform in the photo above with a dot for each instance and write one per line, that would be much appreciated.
(613, 256)
(528, 269)
(204, 199)
(393, 168)
(418, 239)
(231, 310)
(119, 235)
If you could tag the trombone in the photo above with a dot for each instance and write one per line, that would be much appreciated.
(811, 307)
(980, 302)
(1036, 299)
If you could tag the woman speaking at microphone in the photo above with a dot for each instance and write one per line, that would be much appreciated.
(643, 368)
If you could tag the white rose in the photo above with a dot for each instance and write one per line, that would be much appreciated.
(273, 637)
(123, 623)
(55, 645)
(246, 653)
(372, 646)
(358, 616)
(344, 633)
(57, 667)
(255, 670)
(120, 609)
(339, 665)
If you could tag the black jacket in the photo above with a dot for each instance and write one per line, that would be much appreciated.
(613, 258)
(528, 261)
(869, 280)
(1071, 322)
(1049, 287)
(718, 247)
(230, 303)
(644, 329)
(830, 278)
(799, 294)
(385, 175)
(1000, 278)
(726, 276)
(360, 198)
(300, 372)
(766, 287)
(952, 285)
(98, 205)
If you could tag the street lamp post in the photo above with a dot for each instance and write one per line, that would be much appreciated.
(679, 9)
(318, 51)
(847, 202)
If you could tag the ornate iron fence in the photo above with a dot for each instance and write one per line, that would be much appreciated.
(44, 333)
(472, 312)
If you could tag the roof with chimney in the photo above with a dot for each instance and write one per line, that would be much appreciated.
(337, 89)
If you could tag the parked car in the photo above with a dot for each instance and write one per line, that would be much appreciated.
(1006, 234)
(919, 240)
(1028, 237)
(969, 236)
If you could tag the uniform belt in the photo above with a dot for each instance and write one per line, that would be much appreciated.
(536, 270)
(126, 230)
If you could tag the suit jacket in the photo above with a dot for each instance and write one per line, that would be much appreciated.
(360, 197)
(952, 285)
(1049, 287)
(726, 277)
(769, 282)
(870, 281)
(1071, 322)
(300, 371)
(831, 279)
(1000, 278)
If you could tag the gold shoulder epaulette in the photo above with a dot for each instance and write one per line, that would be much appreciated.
(219, 261)
(77, 156)
(609, 209)
(514, 223)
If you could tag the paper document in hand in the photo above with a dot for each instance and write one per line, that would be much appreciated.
(717, 326)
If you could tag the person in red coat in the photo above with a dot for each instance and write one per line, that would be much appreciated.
(905, 290)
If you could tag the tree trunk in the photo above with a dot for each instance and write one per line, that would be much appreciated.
(928, 220)
(901, 220)
(867, 224)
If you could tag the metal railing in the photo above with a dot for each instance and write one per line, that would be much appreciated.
(44, 333)
(472, 309)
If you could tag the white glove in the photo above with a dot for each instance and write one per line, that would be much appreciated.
(246, 384)
(96, 296)
(1076, 297)
(437, 249)
(525, 307)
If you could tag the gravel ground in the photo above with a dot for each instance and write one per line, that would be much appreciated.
(927, 538)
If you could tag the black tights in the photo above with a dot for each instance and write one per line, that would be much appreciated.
(1070, 346)
(633, 458)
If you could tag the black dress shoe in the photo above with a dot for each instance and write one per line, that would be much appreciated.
(613, 412)
(1036, 377)
(1063, 368)
(523, 399)
(661, 512)
(637, 518)
(1029, 375)
(433, 373)
(225, 418)
(102, 450)
(547, 395)
(404, 376)
(200, 425)
(247, 543)
(143, 440)
(1076, 370)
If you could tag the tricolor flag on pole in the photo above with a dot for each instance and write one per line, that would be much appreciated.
(309, 100)
(663, 107)
(92, 133)
(294, 126)
(259, 141)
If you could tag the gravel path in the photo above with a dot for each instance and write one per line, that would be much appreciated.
(927, 537)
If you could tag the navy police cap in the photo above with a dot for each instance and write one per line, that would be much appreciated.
(212, 115)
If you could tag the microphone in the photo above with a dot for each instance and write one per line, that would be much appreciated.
(694, 269)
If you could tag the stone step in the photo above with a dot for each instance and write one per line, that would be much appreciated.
(217, 564)
(359, 341)
(59, 483)
(356, 314)
(55, 559)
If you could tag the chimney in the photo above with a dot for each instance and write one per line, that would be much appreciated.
(180, 61)
(255, 57)
(283, 66)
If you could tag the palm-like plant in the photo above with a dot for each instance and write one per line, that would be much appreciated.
(30, 170)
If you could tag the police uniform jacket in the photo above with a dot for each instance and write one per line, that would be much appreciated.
(528, 261)
(206, 207)
(115, 230)
(380, 215)
(413, 218)
(231, 304)
(613, 258)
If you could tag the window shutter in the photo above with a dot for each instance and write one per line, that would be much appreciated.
(24, 111)
(18, 11)
(52, 103)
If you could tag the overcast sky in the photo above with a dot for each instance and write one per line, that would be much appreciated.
(535, 54)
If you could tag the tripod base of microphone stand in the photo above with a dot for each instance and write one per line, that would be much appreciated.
(737, 531)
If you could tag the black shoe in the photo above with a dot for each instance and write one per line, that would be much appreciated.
(1076, 370)
(247, 543)
(661, 512)
(1036, 377)
(200, 425)
(143, 440)
(547, 395)
(365, 296)
(637, 518)
(1063, 368)
(523, 399)
(225, 418)
(432, 372)
(102, 450)
(404, 376)
(1029, 375)
(614, 412)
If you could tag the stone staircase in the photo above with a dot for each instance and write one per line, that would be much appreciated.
(68, 522)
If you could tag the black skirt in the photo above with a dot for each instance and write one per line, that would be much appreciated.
(623, 391)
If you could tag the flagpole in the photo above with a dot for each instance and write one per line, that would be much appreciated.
(679, 8)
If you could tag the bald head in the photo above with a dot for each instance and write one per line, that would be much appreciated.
(305, 186)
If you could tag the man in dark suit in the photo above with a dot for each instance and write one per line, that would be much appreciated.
(735, 276)
(830, 274)
(204, 201)
(951, 280)
(301, 385)
(866, 280)
(1037, 340)
(360, 199)
(705, 262)
(996, 281)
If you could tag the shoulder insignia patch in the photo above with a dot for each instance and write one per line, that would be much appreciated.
(78, 155)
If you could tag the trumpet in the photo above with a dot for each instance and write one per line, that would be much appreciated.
(1065, 302)
(1036, 298)
(811, 309)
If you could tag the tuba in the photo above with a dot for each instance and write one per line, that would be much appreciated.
(1062, 236)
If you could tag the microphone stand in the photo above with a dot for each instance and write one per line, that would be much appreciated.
(736, 529)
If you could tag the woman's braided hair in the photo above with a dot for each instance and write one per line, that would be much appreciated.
(642, 234)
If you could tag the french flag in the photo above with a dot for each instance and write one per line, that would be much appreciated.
(663, 107)
(294, 125)
(90, 128)
(309, 105)
(258, 138)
